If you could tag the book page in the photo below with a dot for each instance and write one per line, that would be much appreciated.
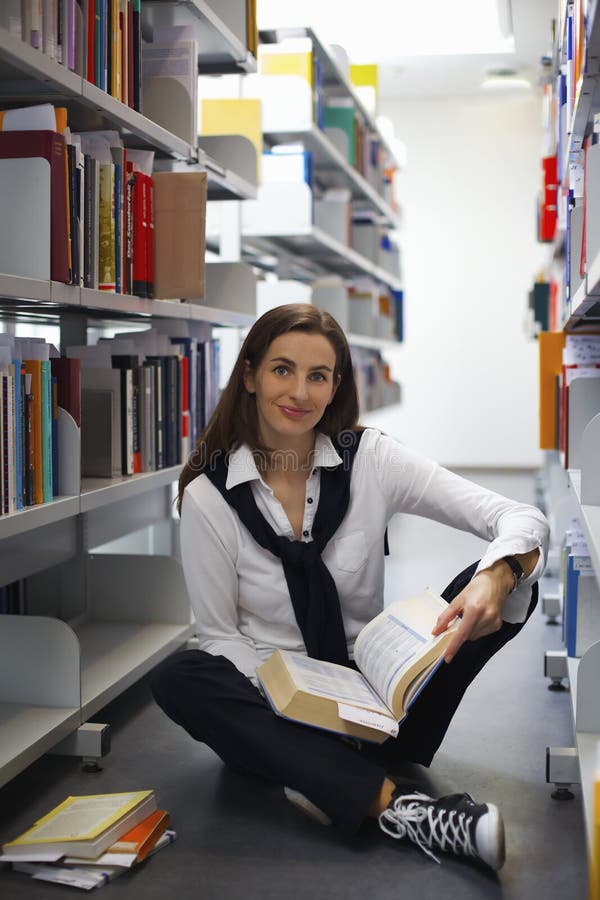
(334, 682)
(80, 818)
(394, 639)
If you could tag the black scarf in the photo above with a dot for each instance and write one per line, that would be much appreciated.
(312, 589)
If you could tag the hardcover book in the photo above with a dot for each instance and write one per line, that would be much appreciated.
(395, 654)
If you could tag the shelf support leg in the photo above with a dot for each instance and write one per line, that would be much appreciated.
(562, 770)
(91, 742)
(555, 668)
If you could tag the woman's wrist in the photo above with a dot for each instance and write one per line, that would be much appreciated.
(501, 576)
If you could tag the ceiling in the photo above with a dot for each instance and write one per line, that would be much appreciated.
(450, 75)
(379, 28)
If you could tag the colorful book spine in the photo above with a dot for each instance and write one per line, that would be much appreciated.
(46, 431)
(15, 371)
(34, 369)
(594, 873)
(107, 228)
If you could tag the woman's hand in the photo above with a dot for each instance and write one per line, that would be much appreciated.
(479, 605)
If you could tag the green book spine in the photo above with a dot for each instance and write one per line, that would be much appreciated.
(46, 430)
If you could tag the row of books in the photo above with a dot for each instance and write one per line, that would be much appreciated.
(570, 189)
(336, 115)
(580, 593)
(127, 405)
(86, 841)
(97, 39)
(145, 399)
(569, 391)
(374, 382)
(569, 211)
(29, 415)
(96, 216)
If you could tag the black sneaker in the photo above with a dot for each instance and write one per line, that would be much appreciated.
(454, 824)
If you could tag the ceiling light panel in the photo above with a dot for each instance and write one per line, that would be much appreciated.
(381, 31)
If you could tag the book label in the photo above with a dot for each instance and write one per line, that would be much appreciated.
(368, 718)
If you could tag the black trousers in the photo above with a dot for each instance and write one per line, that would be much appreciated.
(216, 704)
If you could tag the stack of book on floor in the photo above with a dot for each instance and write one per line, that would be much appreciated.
(88, 841)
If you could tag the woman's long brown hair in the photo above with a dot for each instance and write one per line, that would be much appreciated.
(234, 421)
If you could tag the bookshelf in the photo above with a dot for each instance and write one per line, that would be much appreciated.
(307, 238)
(220, 29)
(572, 101)
(96, 621)
(315, 252)
(333, 170)
(27, 75)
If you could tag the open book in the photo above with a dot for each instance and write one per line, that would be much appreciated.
(396, 655)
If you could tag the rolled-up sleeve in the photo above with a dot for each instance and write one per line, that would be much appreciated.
(417, 485)
(208, 554)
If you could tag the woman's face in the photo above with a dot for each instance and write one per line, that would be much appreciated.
(293, 384)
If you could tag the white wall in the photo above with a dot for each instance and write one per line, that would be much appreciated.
(468, 373)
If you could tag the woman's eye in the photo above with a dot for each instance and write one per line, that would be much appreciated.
(318, 376)
(281, 370)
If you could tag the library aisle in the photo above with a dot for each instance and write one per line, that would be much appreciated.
(240, 840)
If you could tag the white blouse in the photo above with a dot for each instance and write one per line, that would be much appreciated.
(238, 590)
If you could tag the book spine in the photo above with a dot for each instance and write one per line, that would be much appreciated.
(15, 372)
(123, 49)
(136, 438)
(54, 388)
(88, 215)
(36, 29)
(72, 194)
(106, 250)
(130, 55)
(12, 453)
(129, 231)
(35, 370)
(117, 201)
(139, 235)
(103, 45)
(90, 28)
(80, 207)
(3, 444)
(97, 55)
(149, 236)
(46, 384)
(137, 54)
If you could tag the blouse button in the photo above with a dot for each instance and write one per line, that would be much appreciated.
(306, 533)
(309, 499)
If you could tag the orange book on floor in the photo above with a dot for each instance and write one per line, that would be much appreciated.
(141, 838)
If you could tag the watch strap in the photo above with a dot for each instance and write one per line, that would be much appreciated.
(516, 568)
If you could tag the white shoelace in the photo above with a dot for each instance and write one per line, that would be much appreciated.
(449, 830)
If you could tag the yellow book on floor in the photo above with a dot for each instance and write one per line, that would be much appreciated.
(84, 826)
(395, 654)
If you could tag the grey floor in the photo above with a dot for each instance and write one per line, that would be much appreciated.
(238, 838)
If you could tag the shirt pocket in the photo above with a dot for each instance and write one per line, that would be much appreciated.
(351, 551)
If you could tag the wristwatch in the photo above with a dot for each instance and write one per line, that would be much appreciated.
(516, 568)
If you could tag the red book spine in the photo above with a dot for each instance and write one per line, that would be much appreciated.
(68, 382)
(149, 237)
(90, 41)
(51, 146)
(139, 235)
